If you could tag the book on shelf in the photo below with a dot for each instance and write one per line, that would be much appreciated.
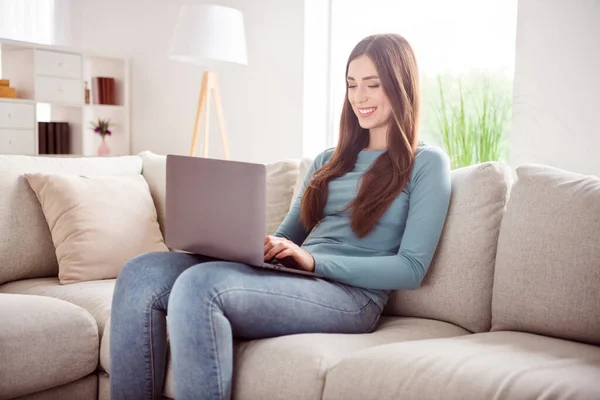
(54, 138)
(103, 90)
(50, 139)
(42, 138)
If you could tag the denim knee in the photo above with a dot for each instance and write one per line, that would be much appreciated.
(193, 280)
(206, 280)
(138, 265)
(140, 276)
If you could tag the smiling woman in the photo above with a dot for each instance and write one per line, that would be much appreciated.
(368, 220)
(380, 112)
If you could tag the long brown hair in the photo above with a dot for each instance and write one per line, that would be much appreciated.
(386, 177)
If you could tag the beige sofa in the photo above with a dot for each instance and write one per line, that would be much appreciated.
(510, 308)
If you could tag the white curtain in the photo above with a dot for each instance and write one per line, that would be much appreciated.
(27, 20)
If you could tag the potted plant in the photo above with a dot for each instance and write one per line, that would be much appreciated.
(102, 128)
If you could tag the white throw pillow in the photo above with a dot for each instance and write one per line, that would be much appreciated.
(98, 223)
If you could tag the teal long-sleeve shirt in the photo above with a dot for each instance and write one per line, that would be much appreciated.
(398, 251)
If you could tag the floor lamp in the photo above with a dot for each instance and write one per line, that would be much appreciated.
(211, 37)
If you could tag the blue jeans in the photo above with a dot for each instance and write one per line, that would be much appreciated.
(209, 303)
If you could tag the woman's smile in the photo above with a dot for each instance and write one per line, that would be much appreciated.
(365, 112)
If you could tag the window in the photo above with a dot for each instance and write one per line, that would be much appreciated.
(468, 44)
(27, 20)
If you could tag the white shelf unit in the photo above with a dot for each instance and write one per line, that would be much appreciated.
(50, 85)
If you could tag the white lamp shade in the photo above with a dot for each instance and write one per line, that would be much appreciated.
(209, 35)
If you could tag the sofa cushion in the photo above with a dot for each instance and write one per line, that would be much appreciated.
(45, 343)
(82, 389)
(95, 296)
(303, 169)
(458, 285)
(547, 277)
(89, 215)
(281, 178)
(497, 365)
(103, 386)
(26, 249)
(154, 170)
(294, 367)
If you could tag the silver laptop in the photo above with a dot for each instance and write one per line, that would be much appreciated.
(217, 208)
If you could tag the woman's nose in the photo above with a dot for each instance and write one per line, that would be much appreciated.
(360, 96)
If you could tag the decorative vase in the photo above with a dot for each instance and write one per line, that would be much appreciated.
(103, 150)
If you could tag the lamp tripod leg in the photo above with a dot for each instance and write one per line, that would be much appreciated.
(202, 102)
(220, 118)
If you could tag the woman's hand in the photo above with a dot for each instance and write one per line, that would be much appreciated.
(281, 248)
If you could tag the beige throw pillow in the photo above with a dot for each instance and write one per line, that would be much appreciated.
(97, 223)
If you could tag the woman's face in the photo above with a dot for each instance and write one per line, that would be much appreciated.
(365, 93)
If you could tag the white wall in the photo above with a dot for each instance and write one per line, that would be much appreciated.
(316, 96)
(556, 108)
(262, 102)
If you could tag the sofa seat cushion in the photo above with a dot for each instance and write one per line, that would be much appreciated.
(496, 365)
(83, 389)
(294, 367)
(44, 343)
(93, 296)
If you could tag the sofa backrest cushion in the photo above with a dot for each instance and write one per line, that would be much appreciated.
(458, 284)
(281, 177)
(154, 170)
(547, 278)
(26, 249)
(303, 169)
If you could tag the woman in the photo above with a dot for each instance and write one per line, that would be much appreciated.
(368, 220)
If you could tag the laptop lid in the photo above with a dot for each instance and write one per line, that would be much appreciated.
(216, 208)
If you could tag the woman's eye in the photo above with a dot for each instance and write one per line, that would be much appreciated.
(374, 86)
(351, 87)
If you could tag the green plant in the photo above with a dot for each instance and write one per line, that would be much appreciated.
(473, 122)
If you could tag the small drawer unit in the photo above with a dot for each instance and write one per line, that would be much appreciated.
(58, 90)
(17, 116)
(61, 65)
(17, 141)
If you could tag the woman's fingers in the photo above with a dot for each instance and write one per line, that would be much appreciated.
(268, 246)
(275, 249)
(270, 242)
(285, 253)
